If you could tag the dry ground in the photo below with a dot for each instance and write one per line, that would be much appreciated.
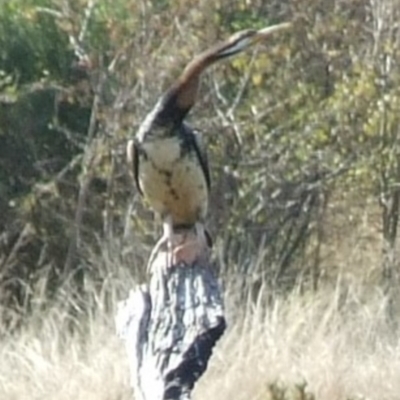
(342, 345)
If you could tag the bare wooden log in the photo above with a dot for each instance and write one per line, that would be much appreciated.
(171, 326)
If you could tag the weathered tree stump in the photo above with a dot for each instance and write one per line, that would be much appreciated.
(171, 326)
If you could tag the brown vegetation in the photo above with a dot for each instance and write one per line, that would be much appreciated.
(331, 345)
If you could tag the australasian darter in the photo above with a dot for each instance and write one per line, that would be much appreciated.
(167, 157)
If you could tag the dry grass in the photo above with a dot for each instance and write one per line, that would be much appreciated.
(46, 362)
(341, 345)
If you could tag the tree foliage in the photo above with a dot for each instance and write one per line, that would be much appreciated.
(310, 114)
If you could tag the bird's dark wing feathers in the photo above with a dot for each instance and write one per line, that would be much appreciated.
(135, 165)
(201, 154)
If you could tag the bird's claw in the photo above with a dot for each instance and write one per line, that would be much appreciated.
(183, 248)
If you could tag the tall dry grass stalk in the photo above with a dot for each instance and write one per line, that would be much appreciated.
(337, 341)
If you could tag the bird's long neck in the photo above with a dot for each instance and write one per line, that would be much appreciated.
(181, 96)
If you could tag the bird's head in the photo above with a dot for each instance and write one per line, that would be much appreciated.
(247, 38)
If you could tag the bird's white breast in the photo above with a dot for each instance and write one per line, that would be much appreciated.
(173, 181)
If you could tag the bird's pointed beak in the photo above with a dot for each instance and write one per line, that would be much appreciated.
(268, 31)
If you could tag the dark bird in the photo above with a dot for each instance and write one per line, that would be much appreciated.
(167, 157)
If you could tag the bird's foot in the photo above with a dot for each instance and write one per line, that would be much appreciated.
(162, 254)
(184, 247)
(164, 247)
(154, 254)
(194, 245)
